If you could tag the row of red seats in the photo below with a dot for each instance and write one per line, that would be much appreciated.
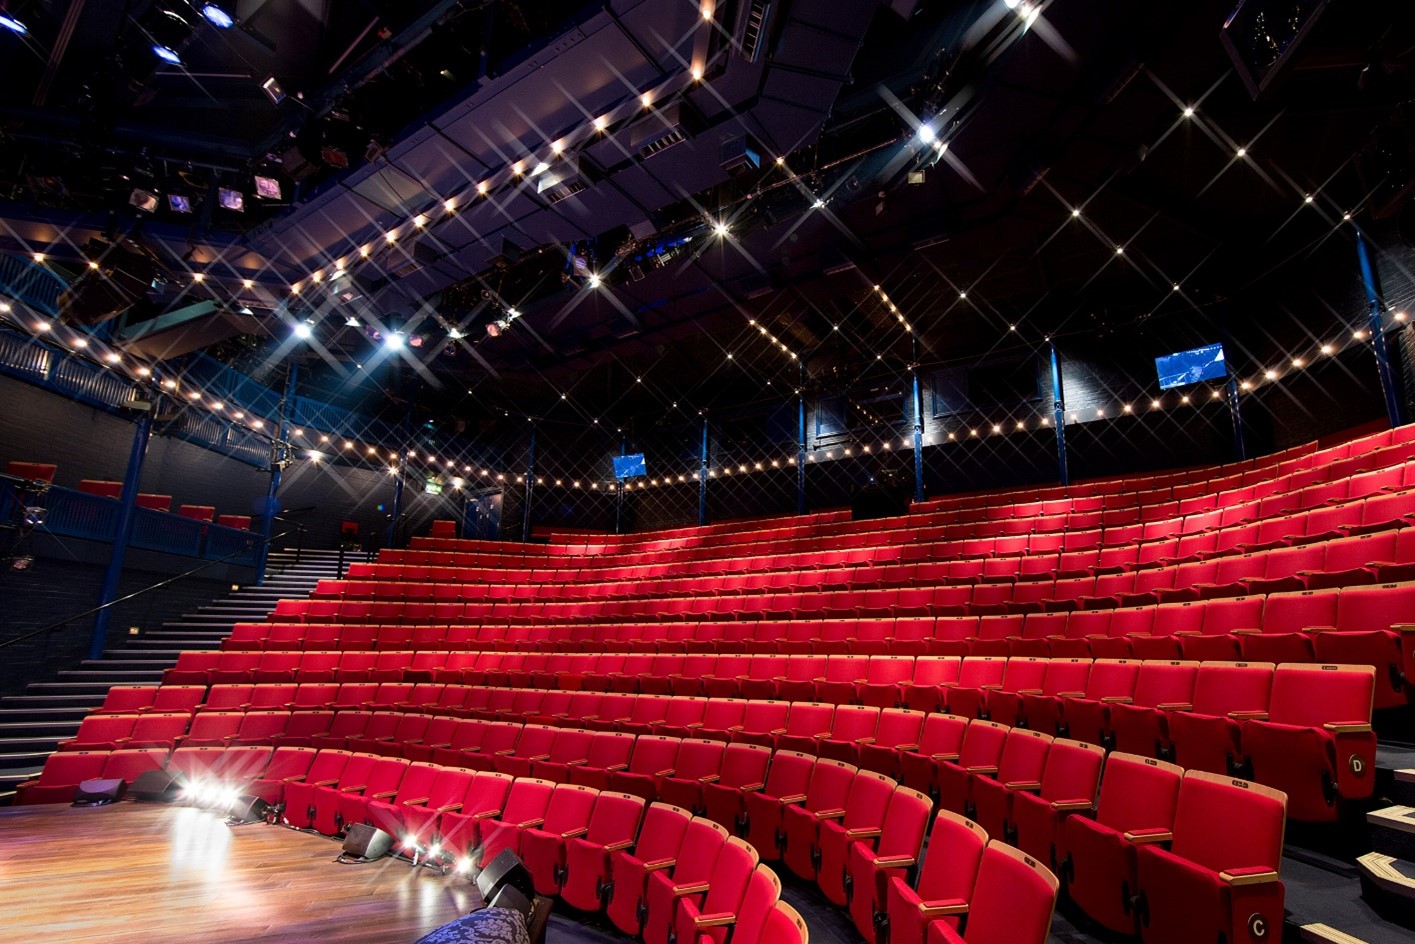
(1366, 474)
(1303, 728)
(1384, 556)
(1359, 624)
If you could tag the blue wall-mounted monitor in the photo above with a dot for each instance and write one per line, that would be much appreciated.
(626, 467)
(1190, 367)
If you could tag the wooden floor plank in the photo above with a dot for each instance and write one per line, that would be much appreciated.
(140, 874)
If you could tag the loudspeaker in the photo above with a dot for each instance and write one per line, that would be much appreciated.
(505, 871)
(249, 809)
(99, 792)
(366, 842)
(157, 786)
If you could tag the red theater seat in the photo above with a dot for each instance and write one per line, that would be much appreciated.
(709, 920)
(586, 864)
(945, 881)
(1012, 902)
(542, 847)
(659, 840)
(62, 773)
(786, 783)
(686, 880)
(871, 863)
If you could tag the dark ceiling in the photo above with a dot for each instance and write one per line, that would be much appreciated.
(1099, 153)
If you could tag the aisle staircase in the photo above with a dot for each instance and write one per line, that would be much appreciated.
(32, 723)
(1388, 872)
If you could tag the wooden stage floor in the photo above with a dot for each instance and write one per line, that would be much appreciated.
(147, 874)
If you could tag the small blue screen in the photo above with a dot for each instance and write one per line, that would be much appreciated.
(626, 467)
(1189, 367)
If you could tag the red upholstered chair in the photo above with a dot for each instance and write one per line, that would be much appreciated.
(586, 866)
(155, 502)
(870, 864)
(1088, 718)
(655, 756)
(1137, 803)
(322, 799)
(542, 847)
(826, 794)
(351, 806)
(1316, 742)
(1069, 782)
(687, 879)
(1215, 882)
(62, 773)
(390, 814)
(940, 741)
(709, 920)
(102, 489)
(1139, 726)
(851, 727)
(325, 770)
(898, 731)
(443, 529)
(979, 755)
(239, 522)
(865, 808)
(659, 839)
(786, 783)
(609, 751)
(744, 771)
(699, 763)
(753, 921)
(197, 512)
(486, 796)
(287, 765)
(1012, 903)
(1225, 693)
(33, 471)
(525, 808)
(945, 881)
(1019, 773)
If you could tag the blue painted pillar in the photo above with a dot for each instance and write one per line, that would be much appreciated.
(619, 492)
(702, 478)
(918, 424)
(279, 455)
(1058, 409)
(1378, 337)
(400, 477)
(801, 446)
(530, 488)
(1240, 451)
(127, 515)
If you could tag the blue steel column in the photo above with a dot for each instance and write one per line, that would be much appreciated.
(400, 476)
(127, 515)
(702, 478)
(530, 488)
(918, 424)
(1240, 451)
(801, 447)
(1058, 407)
(619, 492)
(1378, 337)
(278, 455)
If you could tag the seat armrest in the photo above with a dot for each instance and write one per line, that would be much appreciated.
(1061, 805)
(793, 798)
(1319, 629)
(385, 795)
(751, 787)
(1245, 632)
(486, 814)
(829, 814)
(658, 865)
(530, 824)
(1348, 727)
(718, 920)
(1078, 694)
(617, 846)
(667, 772)
(710, 778)
(449, 808)
(941, 907)
(575, 833)
(1248, 715)
(693, 889)
(1033, 691)
(904, 747)
(506, 753)
(867, 740)
(1116, 700)
(945, 757)
(1175, 706)
(420, 801)
(990, 688)
(894, 862)
(777, 731)
(538, 757)
(1024, 785)
(984, 769)
(735, 728)
(577, 763)
(1144, 836)
(862, 833)
(321, 783)
(1253, 875)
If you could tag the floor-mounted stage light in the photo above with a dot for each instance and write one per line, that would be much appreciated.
(12, 24)
(217, 17)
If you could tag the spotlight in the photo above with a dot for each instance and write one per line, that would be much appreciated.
(217, 17)
(927, 135)
(720, 228)
(351, 322)
(167, 54)
(273, 90)
(13, 25)
(594, 280)
(303, 330)
(395, 340)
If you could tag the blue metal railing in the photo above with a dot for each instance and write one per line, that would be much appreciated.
(26, 281)
(74, 514)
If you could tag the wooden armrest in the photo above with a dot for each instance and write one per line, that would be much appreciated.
(778, 731)
(1143, 836)
(1248, 715)
(420, 801)
(577, 763)
(538, 757)
(664, 773)
(385, 795)
(1175, 706)
(905, 747)
(793, 798)
(617, 767)
(1245, 632)
(735, 728)
(530, 823)
(937, 909)
(862, 833)
(449, 808)
(323, 783)
(940, 757)
(1071, 804)
(1033, 691)
(894, 862)
(710, 778)
(751, 787)
(829, 814)
(692, 889)
(574, 833)
(721, 919)
(1257, 876)
(616, 846)
(1348, 727)
(1319, 629)
(658, 865)
(990, 688)
(486, 814)
(1078, 694)
(982, 769)
(868, 740)
(1402, 627)
(506, 753)
(1117, 700)
(1024, 785)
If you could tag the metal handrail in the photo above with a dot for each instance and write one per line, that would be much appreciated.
(298, 528)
